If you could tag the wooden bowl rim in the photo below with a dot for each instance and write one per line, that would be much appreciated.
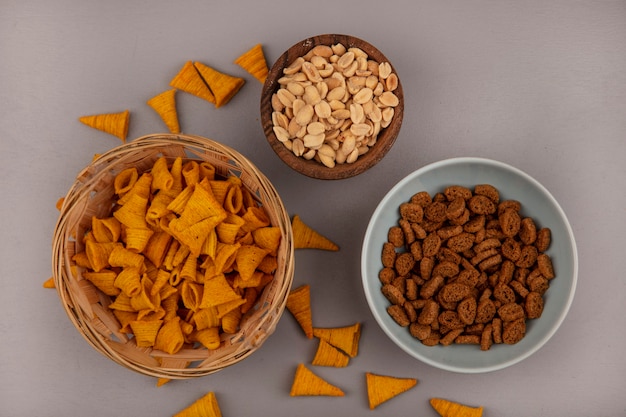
(312, 168)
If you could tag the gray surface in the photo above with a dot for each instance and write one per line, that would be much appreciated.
(539, 85)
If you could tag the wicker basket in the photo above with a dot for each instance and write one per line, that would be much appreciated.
(87, 307)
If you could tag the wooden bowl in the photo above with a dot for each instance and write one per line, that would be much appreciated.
(310, 167)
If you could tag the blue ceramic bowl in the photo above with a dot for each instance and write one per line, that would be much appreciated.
(537, 202)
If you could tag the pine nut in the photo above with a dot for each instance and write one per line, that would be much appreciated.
(329, 161)
(315, 128)
(389, 99)
(294, 67)
(360, 129)
(281, 133)
(353, 156)
(304, 116)
(295, 88)
(297, 147)
(363, 96)
(332, 104)
(338, 49)
(391, 83)
(323, 110)
(384, 70)
(357, 115)
(313, 141)
(346, 60)
(285, 97)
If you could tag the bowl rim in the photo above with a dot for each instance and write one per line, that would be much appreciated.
(80, 310)
(310, 168)
(378, 315)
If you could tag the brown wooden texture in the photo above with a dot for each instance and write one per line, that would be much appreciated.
(312, 168)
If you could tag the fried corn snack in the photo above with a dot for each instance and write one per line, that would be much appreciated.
(108, 229)
(206, 406)
(299, 305)
(344, 338)
(104, 280)
(254, 62)
(218, 291)
(170, 362)
(381, 388)
(125, 181)
(49, 283)
(209, 337)
(59, 203)
(329, 355)
(190, 81)
(145, 331)
(172, 279)
(248, 259)
(306, 237)
(223, 86)
(267, 238)
(164, 104)
(447, 408)
(170, 337)
(115, 124)
(307, 383)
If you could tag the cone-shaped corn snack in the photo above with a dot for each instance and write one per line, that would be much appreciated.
(115, 124)
(189, 80)
(344, 338)
(174, 363)
(381, 388)
(146, 331)
(306, 237)
(223, 86)
(217, 291)
(248, 259)
(451, 409)
(254, 62)
(205, 406)
(268, 238)
(328, 355)
(306, 382)
(165, 106)
(170, 337)
(103, 280)
(299, 305)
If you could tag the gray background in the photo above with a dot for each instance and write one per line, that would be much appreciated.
(537, 84)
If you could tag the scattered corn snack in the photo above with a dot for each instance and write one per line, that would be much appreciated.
(206, 406)
(223, 86)
(170, 362)
(299, 305)
(190, 81)
(329, 355)
(115, 124)
(306, 383)
(254, 62)
(305, 237)
(162, 381)
(447, 408)
(59, 203)
(172, 280)
(344, 338)
(49, 283)
(164, 104)
(381, 388)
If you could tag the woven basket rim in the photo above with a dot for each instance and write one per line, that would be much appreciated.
(88, 311)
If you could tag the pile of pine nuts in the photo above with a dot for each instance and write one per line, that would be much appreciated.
(332, 104)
